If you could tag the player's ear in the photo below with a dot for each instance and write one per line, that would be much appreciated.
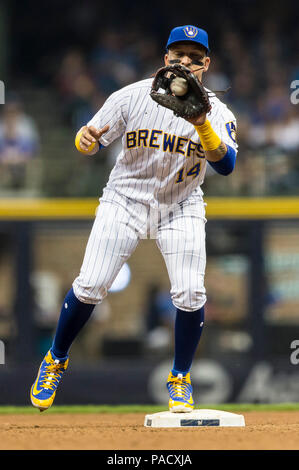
(166, 59)
(207, 62)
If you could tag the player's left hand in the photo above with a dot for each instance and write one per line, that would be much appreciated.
(184, 93)
(198, 121)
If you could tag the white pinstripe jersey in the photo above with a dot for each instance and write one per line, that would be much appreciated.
(161, 161)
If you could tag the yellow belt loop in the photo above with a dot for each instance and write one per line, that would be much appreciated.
(208, 137)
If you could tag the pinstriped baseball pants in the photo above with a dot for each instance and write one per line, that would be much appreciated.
(119, 225)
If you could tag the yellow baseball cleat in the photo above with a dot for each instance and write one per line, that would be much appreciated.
(43, 390)
(180, 392)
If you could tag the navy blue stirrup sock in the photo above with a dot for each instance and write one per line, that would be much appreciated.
(73, 316)
(188, 328)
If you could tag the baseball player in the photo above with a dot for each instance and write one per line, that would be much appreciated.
(154, 187)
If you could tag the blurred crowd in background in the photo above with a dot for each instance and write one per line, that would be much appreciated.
(253, 53)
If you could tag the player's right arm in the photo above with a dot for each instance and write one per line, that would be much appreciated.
(106, 125)
(87, 139)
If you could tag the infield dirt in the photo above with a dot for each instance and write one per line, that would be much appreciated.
(264, 430)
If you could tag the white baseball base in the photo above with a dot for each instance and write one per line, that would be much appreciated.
(196, 418)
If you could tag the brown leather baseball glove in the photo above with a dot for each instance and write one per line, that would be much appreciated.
(192, 104)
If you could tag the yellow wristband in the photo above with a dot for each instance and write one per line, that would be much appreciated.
(77, 144)
(208, 137)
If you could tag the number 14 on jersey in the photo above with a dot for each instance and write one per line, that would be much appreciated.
(194, 171)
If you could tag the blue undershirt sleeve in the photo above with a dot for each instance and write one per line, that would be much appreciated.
(226, 165)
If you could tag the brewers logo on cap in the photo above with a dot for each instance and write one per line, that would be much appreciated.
(190, 32)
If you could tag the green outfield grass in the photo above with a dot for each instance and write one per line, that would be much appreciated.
(233, 407)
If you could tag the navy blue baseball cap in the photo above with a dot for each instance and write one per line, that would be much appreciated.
(189, 33)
